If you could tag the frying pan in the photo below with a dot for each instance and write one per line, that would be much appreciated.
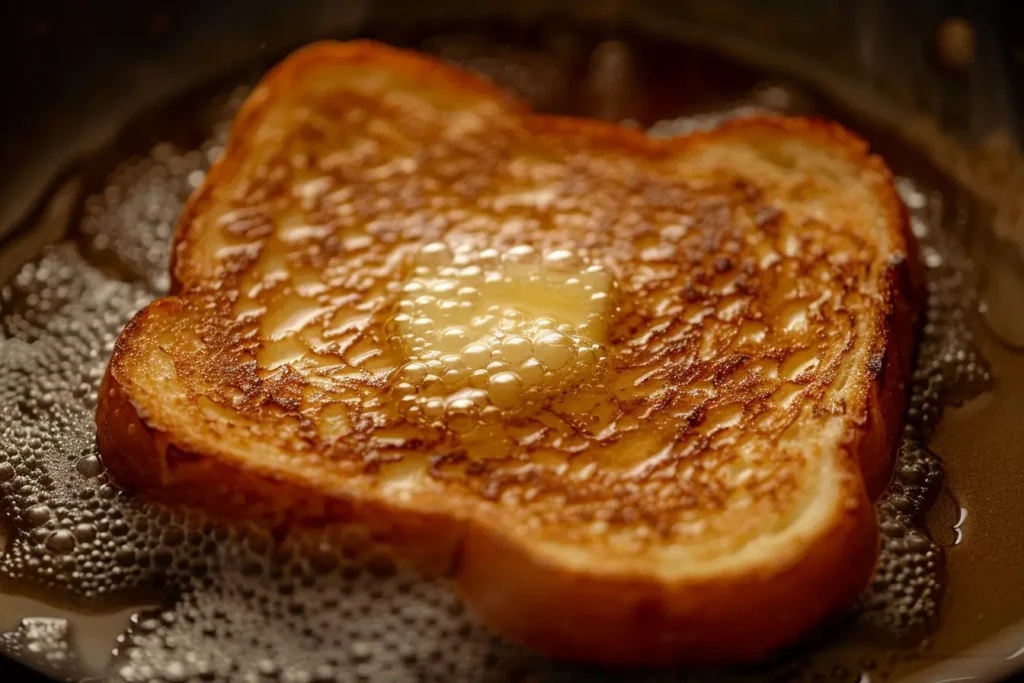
(933, 85)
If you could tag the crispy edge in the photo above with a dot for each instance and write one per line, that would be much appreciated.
(566, 613)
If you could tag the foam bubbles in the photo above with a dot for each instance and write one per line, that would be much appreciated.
(906, 592)
(47, 643)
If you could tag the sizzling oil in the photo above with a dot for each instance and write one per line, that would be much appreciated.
(243, 605)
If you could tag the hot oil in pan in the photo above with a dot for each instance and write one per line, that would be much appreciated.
(241, 605)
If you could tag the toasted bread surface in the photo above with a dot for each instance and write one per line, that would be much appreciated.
(698, 491)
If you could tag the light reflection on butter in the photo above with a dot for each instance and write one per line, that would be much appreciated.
(489, 333)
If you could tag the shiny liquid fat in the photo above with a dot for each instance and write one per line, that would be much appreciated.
(209, 602)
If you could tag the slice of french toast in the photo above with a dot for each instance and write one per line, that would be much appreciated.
(636, 395)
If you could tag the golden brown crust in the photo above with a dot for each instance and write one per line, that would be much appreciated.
(635, 620)
(423, 70)
(259, 462)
